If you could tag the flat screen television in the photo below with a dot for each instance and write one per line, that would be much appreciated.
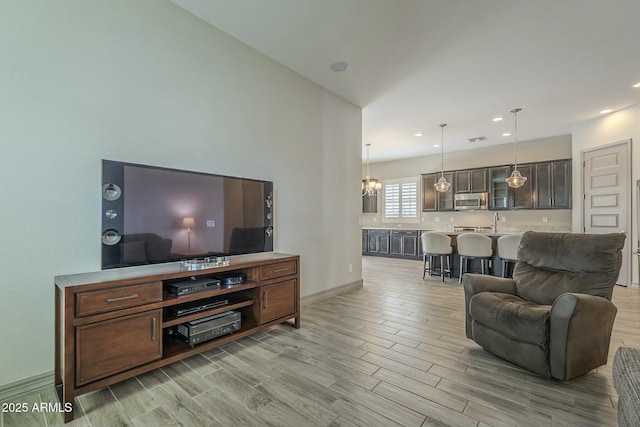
(153, 215)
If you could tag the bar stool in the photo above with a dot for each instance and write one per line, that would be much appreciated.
(474, 246)
(436, 245)
(508, 252)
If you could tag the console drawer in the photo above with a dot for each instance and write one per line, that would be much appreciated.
(280, 269)
(101, 301)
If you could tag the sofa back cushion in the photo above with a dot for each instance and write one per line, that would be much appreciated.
(551, 264)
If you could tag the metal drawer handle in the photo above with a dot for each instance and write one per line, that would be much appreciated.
(153, 329)
(122, 298)
(278, 270)
(266, 300)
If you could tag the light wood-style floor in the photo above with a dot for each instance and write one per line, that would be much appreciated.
(393, 353)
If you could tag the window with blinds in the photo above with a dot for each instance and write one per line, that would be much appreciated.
(401, 200)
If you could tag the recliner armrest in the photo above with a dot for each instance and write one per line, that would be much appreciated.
(580, 328)
(476, 283)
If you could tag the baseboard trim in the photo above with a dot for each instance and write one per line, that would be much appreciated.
(31, 384)
(319, 296)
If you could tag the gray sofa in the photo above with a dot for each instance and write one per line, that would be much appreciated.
(626, 377)
(555, 316)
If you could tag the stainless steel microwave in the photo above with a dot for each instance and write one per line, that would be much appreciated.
(471, 201)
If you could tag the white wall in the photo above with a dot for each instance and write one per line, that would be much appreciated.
(605, 130)
(558, 147)
(146, 82)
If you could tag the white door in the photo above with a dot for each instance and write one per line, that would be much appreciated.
(607, 196)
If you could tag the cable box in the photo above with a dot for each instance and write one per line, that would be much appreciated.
(193, 285)
(196, 306)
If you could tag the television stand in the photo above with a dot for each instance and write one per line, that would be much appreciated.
(112, 325)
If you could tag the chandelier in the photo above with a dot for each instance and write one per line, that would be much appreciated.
(516, 180)
(442, 185)
(370, 186)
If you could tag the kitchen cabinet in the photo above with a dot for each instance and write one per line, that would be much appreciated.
(433, 200)
(553, 185)
(378, 242)
(445, 200)
(404, 243)
(548, 186)
(499, 194)
(429, 198)
(391, 243)
(523, 197)
(370, 203)
(471, 181)
(365, 241)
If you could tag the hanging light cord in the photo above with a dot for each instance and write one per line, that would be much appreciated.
(442, 149)
(515, 136)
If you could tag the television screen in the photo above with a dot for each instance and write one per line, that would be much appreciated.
(153, 215)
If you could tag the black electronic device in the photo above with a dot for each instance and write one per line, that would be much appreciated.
(140, 224)
(232, 279)
(208, 328)
(193, 285)
(196, 306)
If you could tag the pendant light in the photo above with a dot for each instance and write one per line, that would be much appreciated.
(516, 180)
(370, 186)
(442, 185)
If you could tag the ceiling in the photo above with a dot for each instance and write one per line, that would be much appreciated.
(414, 64)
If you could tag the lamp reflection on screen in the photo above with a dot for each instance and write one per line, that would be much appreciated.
(188, 222)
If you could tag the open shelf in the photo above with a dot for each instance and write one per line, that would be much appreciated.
(170, 299)
(173, 346)
(239, 303)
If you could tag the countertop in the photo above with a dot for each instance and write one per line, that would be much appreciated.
(451, 233)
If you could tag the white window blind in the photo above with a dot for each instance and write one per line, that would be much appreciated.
(392, 201)
(401, 200)
(409, 201)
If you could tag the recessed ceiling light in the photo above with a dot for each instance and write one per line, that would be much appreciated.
(607, 111)
(418, 133)
(339, 66)
(506, 134)
(436, 145)
(637, 84)
(497, 119)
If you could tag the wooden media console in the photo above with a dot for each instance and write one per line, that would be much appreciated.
(112, 325)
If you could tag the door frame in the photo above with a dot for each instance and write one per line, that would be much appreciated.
(628, 246)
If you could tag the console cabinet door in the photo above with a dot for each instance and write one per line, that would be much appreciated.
(111, 346)
(277, 300)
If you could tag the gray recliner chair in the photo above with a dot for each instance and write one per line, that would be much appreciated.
(555, 316)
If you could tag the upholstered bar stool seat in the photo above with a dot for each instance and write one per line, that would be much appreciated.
(474, 246)
(434, 246)
(508, 252)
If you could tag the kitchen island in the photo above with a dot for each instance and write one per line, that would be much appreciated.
(405, 243)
